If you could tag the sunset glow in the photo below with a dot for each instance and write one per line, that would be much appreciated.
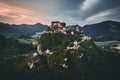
(11, 14)
(80, 12)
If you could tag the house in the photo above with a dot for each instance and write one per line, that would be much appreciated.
(72, 32)
(35, 54)
(75, 46)
(65, 59)
(75, 43)
(64, 66)
(48, 52)
(86, 38)
(31, 65)
(38, 47)
(77, 29)
(64, 28)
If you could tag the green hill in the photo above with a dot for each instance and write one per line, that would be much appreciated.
(103, 31)
(76, 63)
(66, 55)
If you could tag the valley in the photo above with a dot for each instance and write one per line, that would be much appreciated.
(111, 44)
(60, 53)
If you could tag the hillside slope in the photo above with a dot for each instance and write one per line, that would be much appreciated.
(61, 56)
(23, 29)
(71, 61)
(107, 30)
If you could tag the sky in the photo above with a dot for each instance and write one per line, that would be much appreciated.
(79, 12)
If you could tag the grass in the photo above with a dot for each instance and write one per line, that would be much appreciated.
(24, 41)
(108, 43)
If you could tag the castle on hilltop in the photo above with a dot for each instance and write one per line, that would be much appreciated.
(60, 27)
(56, 24)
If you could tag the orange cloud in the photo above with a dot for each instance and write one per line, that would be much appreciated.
(12, 14)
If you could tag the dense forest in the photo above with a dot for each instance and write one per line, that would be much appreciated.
(84, 62)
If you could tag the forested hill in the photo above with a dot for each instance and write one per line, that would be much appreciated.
(61, 54)
(76, 57)
(9, 30)
(107, 30)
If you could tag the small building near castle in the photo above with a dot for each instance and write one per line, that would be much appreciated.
(86, 38)
(48, 52)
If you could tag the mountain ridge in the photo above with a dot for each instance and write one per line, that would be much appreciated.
(9, 30)
(107, 30)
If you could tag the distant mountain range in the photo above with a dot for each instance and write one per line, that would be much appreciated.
(23, 29)
(107, 30)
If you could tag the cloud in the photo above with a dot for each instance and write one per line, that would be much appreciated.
(18, 15)
(70, 11)
(111, 14)
(98, 16)
(87, 4)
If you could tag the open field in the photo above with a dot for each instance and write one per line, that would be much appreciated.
(25, 41)
(113, 44)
